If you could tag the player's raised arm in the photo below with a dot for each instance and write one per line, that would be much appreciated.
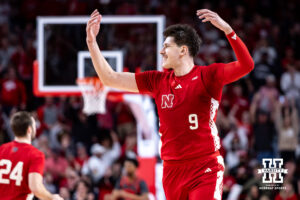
(244, 64)
(120, 80)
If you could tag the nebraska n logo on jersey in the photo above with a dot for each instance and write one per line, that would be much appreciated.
(167, 101)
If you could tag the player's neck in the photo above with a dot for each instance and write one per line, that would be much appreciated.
(184, 67)
(23, 140)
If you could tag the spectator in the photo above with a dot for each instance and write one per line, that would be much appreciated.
(289, 58)
(48, 181)
(64, 193)
(109, 180)
(235, 143)
(254, 193)
(83, 191)
(6, 51)
(290, 84)
(130, 144)
(56, 164)
(125, 122)
(4, 12)
(287, 124)
(288, 193)
(72, 178)
(267, 95)
(263, 48)
(23, 60)
(13, 94)
(228, 182)
(264, 130)
(101, 159)
(130, 185)
(82, 124)
(255, 180)
(81, 157)
(240, 102)
(64, 139)
(95, 166)
(261, 70)
(48, 115)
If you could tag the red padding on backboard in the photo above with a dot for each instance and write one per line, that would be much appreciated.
(39, 93)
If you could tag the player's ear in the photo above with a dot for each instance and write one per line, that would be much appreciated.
(29, 129)
(184, 50)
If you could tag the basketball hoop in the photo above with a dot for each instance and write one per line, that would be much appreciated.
(94, 95)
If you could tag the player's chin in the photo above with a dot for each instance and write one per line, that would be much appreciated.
(166, 66)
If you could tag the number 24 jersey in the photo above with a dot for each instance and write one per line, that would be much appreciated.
(17, 160)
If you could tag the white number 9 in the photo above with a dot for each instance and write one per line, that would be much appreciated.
(193, 119)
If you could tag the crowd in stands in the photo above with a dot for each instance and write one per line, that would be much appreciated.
(258, 117)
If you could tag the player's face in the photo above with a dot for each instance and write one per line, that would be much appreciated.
(170, 53)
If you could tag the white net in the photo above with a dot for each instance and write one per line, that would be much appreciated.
(94, 95)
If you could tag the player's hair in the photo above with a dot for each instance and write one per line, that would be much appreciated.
(20, 122)
(184, 35)
(132, 160)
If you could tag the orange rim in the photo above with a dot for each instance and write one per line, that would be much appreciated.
(93, 81)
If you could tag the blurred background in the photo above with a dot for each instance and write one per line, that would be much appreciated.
(258, 115)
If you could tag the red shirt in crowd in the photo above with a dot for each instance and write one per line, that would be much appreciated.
(12, 92)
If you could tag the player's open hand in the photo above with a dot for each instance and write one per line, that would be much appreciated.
(57, 197)
(212, 17)
(93, 26)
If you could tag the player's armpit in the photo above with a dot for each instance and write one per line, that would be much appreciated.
(123, 81)
(149, 81)
(37, 187)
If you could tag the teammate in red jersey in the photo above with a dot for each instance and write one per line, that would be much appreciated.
(21, 164)
(187, 99)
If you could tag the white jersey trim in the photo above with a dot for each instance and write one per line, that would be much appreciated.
(30, 196)
(219, 183)
(214, 105)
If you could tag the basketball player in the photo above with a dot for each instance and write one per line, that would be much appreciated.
(21, 164)
(187, 99)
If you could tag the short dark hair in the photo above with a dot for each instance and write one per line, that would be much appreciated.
(20, 122)
(132, 160)
(184, 35)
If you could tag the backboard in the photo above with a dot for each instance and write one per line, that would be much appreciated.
(63, 57)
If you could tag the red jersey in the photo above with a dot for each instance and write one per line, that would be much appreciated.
(17, 160)
(187, 105)
(12, 92)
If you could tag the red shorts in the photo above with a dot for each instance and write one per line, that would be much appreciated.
(195, 179)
